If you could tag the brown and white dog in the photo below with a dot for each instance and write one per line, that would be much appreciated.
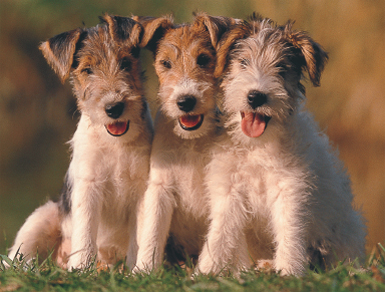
(175, 203)
(277, 189)
(107, 176)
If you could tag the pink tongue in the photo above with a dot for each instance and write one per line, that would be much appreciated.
(253, 125)
(117, 129)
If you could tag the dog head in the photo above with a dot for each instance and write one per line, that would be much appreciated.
(103, 64)
(185, 60)
(264, 65)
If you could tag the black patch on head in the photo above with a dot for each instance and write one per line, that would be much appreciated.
(296, 59)
(123, 27)
(65, 196)
(126, 64)
(79, 46)
(154, 41)
(203, 60)
(59, 43)
(144, 109)
(135, 52)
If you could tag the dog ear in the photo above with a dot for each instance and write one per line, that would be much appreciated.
(226, 44)
(215, 25)
(59, 51)
(154, 29)
(312, 54)
(123, 29)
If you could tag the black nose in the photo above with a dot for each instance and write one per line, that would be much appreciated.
(256, 98)
(186, 103)
(114, 110)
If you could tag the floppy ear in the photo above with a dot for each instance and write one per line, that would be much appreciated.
(313, 55)
(154, 29)
(59, 51)
(241, 30)
(226, 43)
(216, 25)
(123, 29)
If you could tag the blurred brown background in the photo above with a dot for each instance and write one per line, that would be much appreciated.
(37, 113)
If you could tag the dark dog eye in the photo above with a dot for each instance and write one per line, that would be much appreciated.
(283, 68)
(244, 63)
(166, 64)
(126, 65)
(203, 60)
(87, 70)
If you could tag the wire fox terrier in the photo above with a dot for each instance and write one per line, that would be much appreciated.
(175, 202)
(107, 176)
(278, 192)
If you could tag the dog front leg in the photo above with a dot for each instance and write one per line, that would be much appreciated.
(85, 221)
(226, 246)
(288, 223)
(155, 219)
(132, 241)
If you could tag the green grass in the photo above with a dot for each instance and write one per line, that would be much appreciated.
(47, 276)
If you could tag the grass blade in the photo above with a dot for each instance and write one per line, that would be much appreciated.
(6, 259)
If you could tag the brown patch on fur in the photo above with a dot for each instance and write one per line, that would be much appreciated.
(308, 54)
(238, 31)
(178, 52)
(226, 45)
(215, 25)
(154, 29)
(59, 52)
(185, 51)
(313, 54)
(62, 51)
(100, 50)
(123, 29)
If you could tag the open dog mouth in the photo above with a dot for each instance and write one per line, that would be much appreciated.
(253, 124)
(191, 122)
(118, 128)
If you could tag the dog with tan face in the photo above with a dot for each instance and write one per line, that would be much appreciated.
(175, 203)
(96, 214)
(278, 192)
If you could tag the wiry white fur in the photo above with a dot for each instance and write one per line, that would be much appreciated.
(283, 196)
(109, 177)
(175, 202)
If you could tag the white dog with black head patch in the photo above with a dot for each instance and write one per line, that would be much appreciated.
(277, 189)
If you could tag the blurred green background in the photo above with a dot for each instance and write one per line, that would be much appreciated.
(37, 112)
